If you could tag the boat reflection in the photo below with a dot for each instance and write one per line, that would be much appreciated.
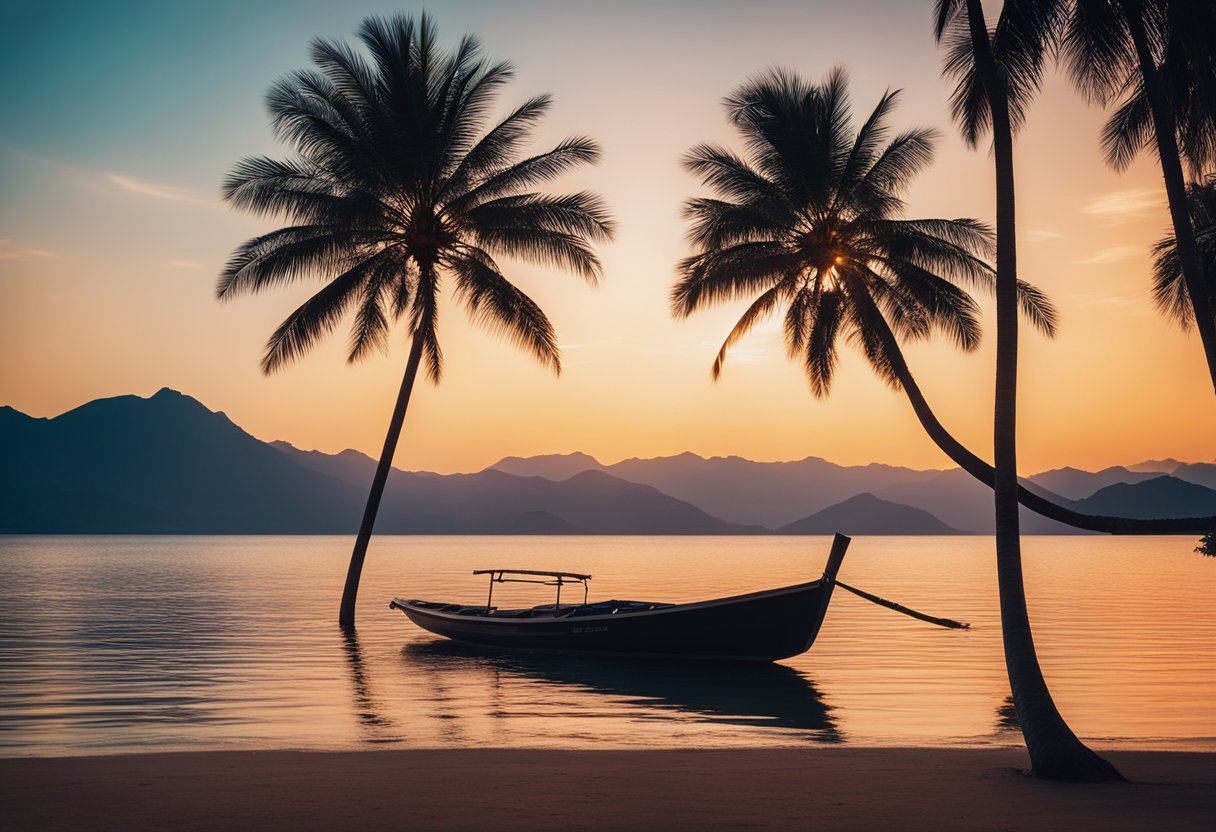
(761, 695)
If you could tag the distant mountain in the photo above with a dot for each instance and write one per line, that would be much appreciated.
(964, 503)
(1160, 497)
(1200, 473)
(492, 502)
(167, 464)
(769, 494)
(349, 466)
(164, 464)
(1076, 484)
(866, 514)
(556, 467)
(1156, 466)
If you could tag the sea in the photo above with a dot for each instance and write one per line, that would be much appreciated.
(137, 644)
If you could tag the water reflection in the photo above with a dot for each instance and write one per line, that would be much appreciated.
(1007, 716)
(761, 695)
(115, 644)
(368, 710)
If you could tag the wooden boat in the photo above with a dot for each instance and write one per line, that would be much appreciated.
(759, 626)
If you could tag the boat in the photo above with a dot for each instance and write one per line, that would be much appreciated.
(758, 626)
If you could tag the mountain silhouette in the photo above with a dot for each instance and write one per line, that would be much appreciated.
(1076, 484)
(556, 467)
(1163, 496)
(866, 514)
(167, 464)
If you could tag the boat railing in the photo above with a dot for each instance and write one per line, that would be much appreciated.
(557, 579)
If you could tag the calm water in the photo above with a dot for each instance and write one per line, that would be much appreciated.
(128, 644)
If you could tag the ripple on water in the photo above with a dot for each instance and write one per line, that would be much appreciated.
(142, 643)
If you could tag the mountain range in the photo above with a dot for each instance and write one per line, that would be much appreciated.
(168, 465)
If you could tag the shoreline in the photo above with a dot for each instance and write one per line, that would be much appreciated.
(507, 789)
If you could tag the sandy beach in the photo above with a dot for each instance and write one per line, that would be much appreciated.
(503, 790)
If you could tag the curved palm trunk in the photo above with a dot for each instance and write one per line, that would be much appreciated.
(1189, 257)
(346, 615)
(1055, 751)
(985, 473)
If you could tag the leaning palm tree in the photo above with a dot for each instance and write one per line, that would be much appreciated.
(754, 232)
(1156, 58)
(395, 185)
(1169, 285)
(997, 73)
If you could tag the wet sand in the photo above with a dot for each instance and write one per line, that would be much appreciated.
(509, 789)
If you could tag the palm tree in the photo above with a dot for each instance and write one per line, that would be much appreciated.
(1169, 285)
(997, 74)
(810, 223)
(756, 230)
(396, 184)
(1157, 56)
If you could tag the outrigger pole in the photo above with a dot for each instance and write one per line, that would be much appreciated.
(891, 605)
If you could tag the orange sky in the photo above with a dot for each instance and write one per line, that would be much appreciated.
(111, 236)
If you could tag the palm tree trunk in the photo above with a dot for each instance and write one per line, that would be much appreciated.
(346, 615)
(1189, 257)
(1055, 751)
(985, 473)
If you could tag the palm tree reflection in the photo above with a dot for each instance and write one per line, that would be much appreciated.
(367, 708)
(1007, 716)
(766, 696)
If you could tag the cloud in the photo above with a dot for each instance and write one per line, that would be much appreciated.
(1114, 254)
(8, 251)
(1121, 206)
(1038, 235)
(151, 189)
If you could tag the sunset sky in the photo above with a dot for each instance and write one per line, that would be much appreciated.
(120, 121)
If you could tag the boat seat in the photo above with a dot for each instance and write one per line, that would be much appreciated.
(511, 613)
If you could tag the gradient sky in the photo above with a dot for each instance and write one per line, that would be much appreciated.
(121, 119)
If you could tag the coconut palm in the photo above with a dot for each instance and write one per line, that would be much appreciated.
(1156, 58)
(810, 223)
(996, 75)
(1169, 286)
(395, 185)
(762, 227)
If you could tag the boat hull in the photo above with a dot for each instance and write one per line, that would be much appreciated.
(761, 626)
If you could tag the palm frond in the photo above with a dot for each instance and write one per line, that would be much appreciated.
(1038, 309)
(582, 214)
(497, 147)
(567, 155)
(730, 273)
(820, 356)
(497, 304)
(1128, 131)
(757, 312)
(283, 256)
(1170, 292)
(316, 317)
(396, 175)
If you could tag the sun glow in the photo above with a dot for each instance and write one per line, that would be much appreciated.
(119, 308)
